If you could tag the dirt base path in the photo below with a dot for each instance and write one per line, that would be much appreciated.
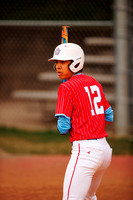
(41, 178)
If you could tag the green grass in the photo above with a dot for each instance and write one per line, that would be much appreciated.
(121, 146)
(23, 142)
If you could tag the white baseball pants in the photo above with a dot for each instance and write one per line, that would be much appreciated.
(88, 162)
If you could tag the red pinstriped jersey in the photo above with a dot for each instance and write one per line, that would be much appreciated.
(82, 100)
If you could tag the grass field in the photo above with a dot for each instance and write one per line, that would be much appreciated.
(48, 142)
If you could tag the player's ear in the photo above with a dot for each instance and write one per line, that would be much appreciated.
(70, 64)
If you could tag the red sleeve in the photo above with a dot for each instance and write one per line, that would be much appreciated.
(105, 102)
(64, 101)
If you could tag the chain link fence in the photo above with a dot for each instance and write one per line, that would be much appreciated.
(29, 32)
(56, 10)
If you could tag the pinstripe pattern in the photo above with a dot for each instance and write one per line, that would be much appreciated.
(73, 102)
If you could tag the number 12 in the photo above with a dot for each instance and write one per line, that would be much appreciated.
(96, 100)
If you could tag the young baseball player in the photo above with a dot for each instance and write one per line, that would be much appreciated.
(82, 111)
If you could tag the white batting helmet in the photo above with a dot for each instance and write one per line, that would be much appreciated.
(70, 51)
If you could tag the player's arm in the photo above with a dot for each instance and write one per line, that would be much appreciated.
(108, 110)
(63, 124)
(109, 115)
(64, 109)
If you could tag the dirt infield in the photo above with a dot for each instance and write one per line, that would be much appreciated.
(41, 178)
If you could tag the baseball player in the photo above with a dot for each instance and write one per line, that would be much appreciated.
(82, 111)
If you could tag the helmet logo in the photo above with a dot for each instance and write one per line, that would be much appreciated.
(57, 51)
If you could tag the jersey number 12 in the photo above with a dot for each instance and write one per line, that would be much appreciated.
(96, 100)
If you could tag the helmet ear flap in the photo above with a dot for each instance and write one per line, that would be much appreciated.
(76, 65)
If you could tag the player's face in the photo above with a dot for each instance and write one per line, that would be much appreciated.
(62, 69)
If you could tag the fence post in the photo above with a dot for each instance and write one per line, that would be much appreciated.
(121, 54)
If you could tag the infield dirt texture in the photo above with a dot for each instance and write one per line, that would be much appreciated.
(41, 178)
